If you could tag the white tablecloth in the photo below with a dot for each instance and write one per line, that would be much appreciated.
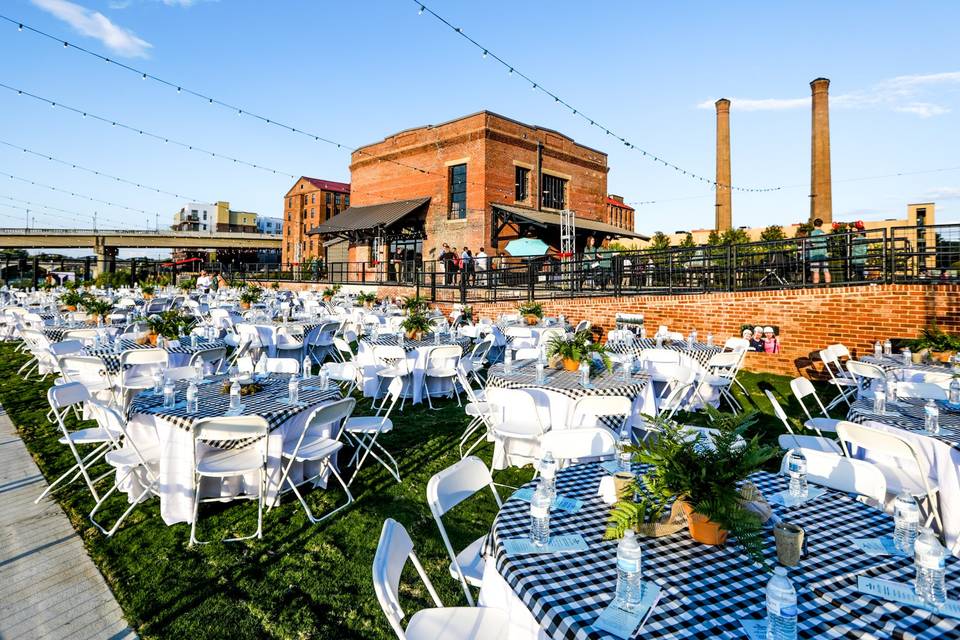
(412, 384)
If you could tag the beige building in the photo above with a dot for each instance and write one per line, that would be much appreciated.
(919, 214)
(212, 218)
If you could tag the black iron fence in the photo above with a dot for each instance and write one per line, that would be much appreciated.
(926, 254)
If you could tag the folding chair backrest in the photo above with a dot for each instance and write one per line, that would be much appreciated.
(830, 362)
(579, 443)
(516, 404)
(875, 440)
(665, 356)
(135, 357)
(388, 352)
(839, 351)
(802, 388)
(849, 475)
(333, 412)
(518, 332)
(214, 356)
(583, 325)
(66, 347)
(283, 365)
(778, 410)
(549, 334)
(444, 355)
(393, 550)
(66, 395)
(724, 360)
(865, 370)
(924, 390)
(586, 411)
(736, 344)
(226, 428)
(456, 483)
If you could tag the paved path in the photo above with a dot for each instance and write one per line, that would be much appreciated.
(49, 587)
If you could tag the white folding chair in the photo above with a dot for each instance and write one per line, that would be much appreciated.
(583, 325)
(282, 365)
(673, 398)
(845, 384)
(803, 388)
(897, 459)
(446, 490)
(454, 623)
(365, 430)
(517, 417)
(212, 458)
(214, 358)
(63, 399)
(720, 374)
(319, 451)
(441, 364)
(520, 337)
(130, 461)
(137, 369)
(320, 341)
(287, 345)
(922, 390)
(392, 364)
(594, 411)
(864, 373)
(791, 440)
(836, 471)
(579, 444)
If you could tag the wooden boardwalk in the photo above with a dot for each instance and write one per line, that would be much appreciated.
(49, 587)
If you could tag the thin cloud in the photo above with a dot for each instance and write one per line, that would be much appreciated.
(96, 25)
(901, 94)
(943, 193)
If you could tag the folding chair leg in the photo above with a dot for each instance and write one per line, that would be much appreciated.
(313, 519)
(129, 510)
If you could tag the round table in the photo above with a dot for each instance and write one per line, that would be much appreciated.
(705, 591)
(939, 454)
(936, 373)
(417, 352)
(180, 354)
(556, 395)
(699, 352)
(172, 429)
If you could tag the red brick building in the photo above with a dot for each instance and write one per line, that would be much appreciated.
(479, 180)
(619, 213)
(309, 202)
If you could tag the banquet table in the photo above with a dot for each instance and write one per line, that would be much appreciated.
(54, 333)
(706, 591)
(180, 354)
(536, 331)
(417, 352)
(557, 394)
(149, 423)
(916, 372)
(940, 453)
(699, 352)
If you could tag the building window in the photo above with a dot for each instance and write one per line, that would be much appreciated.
(336, 200)
(311, 212)
(328, 212)
(313, 198)
(204, 215)
(328, 197)
(554, 192)
(522, 184)
(921, 217)
(458, 192)
(346, 199)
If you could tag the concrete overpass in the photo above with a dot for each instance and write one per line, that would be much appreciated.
(102, 241)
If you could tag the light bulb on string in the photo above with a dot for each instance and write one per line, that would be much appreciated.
(420, 13)
(144, 76)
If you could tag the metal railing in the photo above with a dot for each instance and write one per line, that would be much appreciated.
(926, 254)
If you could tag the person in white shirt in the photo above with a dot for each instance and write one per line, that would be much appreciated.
(481, 262)
(204, 282)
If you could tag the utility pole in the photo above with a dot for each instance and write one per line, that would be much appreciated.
(94, 220)
(28, 218)
(156, 221)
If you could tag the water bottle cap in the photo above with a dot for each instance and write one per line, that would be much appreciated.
(628, 534)
(780, 571)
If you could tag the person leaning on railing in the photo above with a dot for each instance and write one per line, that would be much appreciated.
(858, 254)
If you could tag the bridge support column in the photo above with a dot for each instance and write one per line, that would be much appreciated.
(100, 250)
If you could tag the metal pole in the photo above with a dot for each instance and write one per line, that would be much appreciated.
(433, 281)
(36, 270)
(86, 268)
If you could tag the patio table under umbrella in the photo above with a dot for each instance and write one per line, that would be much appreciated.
(527, 247)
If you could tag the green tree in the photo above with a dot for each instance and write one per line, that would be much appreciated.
(734, 236)
(714, 238)
(773, 232)
(687, 242)
(659, 242)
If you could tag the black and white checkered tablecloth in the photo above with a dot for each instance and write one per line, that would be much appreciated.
(111, 359)
(894, 363)
(212, 400)
(910, 418)
(523, 375)
(698, 351)
(55, 334)
(410, 345)
(706, 591)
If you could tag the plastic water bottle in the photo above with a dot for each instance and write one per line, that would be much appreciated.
(624, 457)
(293, 390)
(929, 557)
(887, 348)
(891, 388)
(781, 607)
(548, 473)
(878, 350)
(907, 356)
(169, 394)
(541, 371)
(953, 391)
(931, 417)
(160, 341)
(880, 398)
(436, 337)
(117, 347)
(540, 516)
(584, 373)
(235, 396)
(906, 518)
(629, 572)
(324, 379)
(508, 360)
(192, 398)
(709, 339)
(198, 371)
(797, 468)
(693, 336)
(307, 368)
(643, 332)
(157, 383)
(625, 368)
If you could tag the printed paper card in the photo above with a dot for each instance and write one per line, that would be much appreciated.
(625, 623)
(755, 629)
(571, 505)
(878, 546)
(557, 544)
(784, 499)
(904, 594)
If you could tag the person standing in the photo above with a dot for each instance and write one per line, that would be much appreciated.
(858, 254)
(446, 263)
(817, 253)
(466, 265)
(481, 265)
(454, 265)
(605, 258)
(588, 261)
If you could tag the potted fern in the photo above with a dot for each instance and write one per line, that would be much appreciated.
(938, 343)
(367, 299)
(72, 298)
(416, 325)
(147, 290)
(250, 296)
(170, 324)
(572, 349)
(414, 304)
(532, 312)
(328, 294)
(97, 308)
(703, 476)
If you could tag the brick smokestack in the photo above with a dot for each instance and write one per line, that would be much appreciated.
(821, 189)
(724, 214)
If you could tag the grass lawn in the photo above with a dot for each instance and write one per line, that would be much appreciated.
(301, 580)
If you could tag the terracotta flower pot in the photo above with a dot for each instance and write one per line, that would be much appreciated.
(244, 305)
(148, 296)
(531, 319)
(152, 338)
(414, 335)
(71, 307)
(327, 298)
(570, 364)
(701, 528)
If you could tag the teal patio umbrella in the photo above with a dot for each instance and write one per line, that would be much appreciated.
(527, 247)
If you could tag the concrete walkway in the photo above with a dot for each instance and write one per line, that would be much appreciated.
(49, 587)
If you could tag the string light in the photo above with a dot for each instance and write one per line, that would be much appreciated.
(143, 132)
(74, 215)
(557, 100)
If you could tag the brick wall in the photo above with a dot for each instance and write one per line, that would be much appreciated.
(809, 319)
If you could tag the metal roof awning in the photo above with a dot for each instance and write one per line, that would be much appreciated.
(548, 217)
(369, 217)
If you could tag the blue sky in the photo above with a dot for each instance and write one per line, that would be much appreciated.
(356, 71)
